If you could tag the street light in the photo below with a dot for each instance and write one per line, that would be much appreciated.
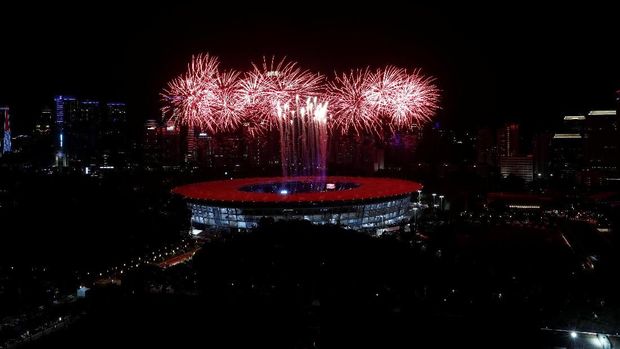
(573, 334)
(434, 196)
(441, 202)
(419, 197)
(415, 216)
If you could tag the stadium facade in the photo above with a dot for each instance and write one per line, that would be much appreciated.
(359, 203)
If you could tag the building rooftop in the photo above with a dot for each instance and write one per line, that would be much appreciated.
(574, 117)
(567, 136)
(601, 112)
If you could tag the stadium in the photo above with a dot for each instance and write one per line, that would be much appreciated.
(360, 203)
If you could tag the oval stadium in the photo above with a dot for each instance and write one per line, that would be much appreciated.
(359, 203)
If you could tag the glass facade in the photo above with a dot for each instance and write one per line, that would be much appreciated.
(368, 216)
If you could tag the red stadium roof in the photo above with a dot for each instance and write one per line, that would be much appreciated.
(228, 191)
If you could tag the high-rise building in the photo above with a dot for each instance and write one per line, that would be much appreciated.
(518, 166)
(508, 140)
(398, 151)
(83, 133)
(349, 154)
(6, 140)
(567, 157)
(172, 152)
(574, 124)
(191, 142)
(44, 122)
(114, 143)
(486, 150)
(541, 155)
(204, 150)
(151, 143)
(228, 152)
(66, 109)
(602, 147)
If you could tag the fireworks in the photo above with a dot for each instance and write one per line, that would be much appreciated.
(368, 102)
(303, 137)
(225, 104)
(274, 83)
(268, 96)
(403, 98)
(361, 101)
(350, 103)
(187, 95)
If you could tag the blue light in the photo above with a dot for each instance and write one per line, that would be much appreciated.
(283, 191)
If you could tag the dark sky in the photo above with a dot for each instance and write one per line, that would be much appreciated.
(493, 63)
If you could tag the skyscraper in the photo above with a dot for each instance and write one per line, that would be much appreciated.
(567, 157)
(574, 124)
(204, 149)
(172, 152)
(518, 166)
(6, 141)
(190, 151)
(541, 155)
(82, 133)
(485, 149)
(151, 143)
(508, 140)
(114, 144)
(66, 108)
(43, 124)
(602, 145)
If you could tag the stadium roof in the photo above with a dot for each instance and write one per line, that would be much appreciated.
(229, 191)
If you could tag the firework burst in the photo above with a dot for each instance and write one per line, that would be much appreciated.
(352, 109)
(226, 106)
(186, 95)
(387, 98)
(273, 82)
(414, 103)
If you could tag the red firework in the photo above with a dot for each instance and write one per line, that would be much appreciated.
(351, 107)
(226, 106)
(414, 103)
(186, 95)
(278, 82)
(362, 101)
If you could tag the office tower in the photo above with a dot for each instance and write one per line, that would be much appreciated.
(66, 109)
(518, 166)
(44, 123)
(191, 145)
(567, 157)
(602, 145)
(574, 124)
(113, 147)
(151, 143)
(486, 150)
(172, 153)
(508, 140)
(6, 140)
(541, 155)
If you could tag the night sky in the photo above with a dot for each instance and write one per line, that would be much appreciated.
(526, 64)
